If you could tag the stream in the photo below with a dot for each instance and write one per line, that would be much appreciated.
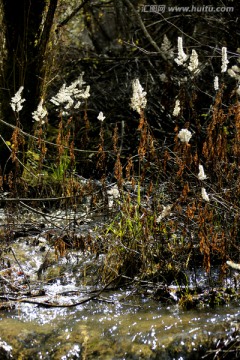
(72, 317)
(98, 330)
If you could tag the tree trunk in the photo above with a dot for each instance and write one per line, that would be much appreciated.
(27, 26)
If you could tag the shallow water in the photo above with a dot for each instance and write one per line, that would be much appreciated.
(116, 326)
(136, 329)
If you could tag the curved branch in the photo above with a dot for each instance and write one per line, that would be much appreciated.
(146, 33)
(70, 16)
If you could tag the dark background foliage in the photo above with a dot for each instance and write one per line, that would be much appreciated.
(122, 42)
(114, 42)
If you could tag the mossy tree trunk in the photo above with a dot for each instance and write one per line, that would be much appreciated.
(27, 26)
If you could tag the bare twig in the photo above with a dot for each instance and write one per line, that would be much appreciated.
(144, 29)
(20, 162)
(49, 305)
(47, 142)
(70, 16)
(20, 266)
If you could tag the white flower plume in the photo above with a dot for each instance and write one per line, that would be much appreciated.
(166, 47)
(138, 100)
(16, 101)
(193, 65)
(234, 72)
(69, 96)
(182, 57)
(184, 135)
(216, 83)
(238, 90)
(40, 113)
(205, 195)
(224, 59)
(165, 212)
(100, 116)
(177, 108)
(201, 174)
(113, 193)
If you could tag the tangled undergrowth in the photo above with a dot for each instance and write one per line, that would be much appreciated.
(166, 209)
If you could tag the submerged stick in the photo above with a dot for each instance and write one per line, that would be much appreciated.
(49, 304)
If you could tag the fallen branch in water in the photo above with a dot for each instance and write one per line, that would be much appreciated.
(50, 304)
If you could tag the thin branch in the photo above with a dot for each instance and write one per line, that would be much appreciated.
(49, 305)
(47, 142)
(146, 33)
(20, 162)
(20, 266)
(70, 16)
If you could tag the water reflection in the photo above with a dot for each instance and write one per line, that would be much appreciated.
(147, 327)
(116, 326)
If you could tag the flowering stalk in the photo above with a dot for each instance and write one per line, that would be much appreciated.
(16, 101)
(216, 83)
(138, 100)
(40, 114)
(201, 174)
(101, 117)
(165, 212)
(234, 72)
(166, 47)
(205, 195)
(177, 108)
(182, 57)
(224, 59)
(184, 135)
(69, 96)
(193, 66)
